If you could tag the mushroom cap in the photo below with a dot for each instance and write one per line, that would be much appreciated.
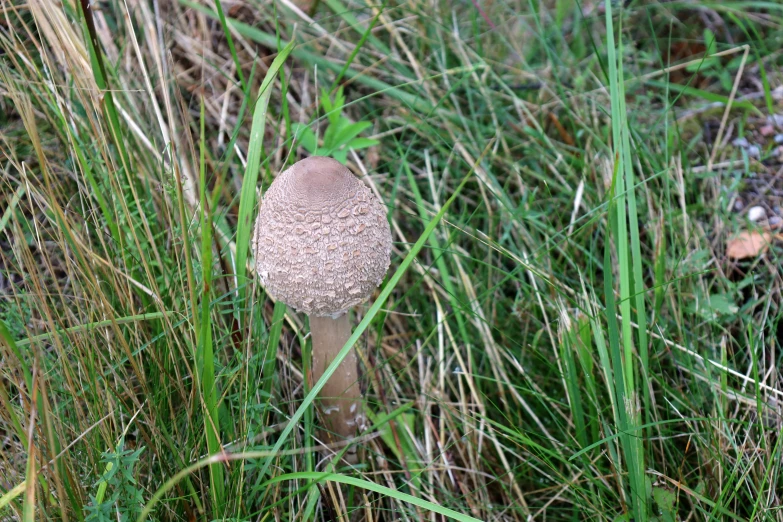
(322, 243)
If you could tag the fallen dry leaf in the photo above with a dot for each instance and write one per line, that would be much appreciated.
(748, 244)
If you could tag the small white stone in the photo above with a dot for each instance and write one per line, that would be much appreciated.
(756, 213)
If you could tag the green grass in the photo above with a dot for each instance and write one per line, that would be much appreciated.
(560, 336)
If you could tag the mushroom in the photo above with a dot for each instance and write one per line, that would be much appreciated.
(322, 244)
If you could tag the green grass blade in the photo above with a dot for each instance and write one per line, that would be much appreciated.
(568, 348)
(205, 360)
(230, 41)
(372, 486)
(28, 513)
(12, 493)
(91, 326)
(247, 201)
(365, 35)
(624, 204)
(278, 316)
(31, 475)
(9, 210)
(705, 95)
(310, 476)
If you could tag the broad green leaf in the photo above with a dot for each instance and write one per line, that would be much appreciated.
(305, 136)
(340, 155)
(362, 143)
(348, 132)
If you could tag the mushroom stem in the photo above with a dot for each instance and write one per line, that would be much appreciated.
(340, 398)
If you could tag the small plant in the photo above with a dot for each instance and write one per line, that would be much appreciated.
(126, 500)
(340, 136)
(665, 505)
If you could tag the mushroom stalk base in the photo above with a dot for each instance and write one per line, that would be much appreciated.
(340, 399)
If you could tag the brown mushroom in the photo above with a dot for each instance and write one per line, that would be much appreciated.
(322, 244)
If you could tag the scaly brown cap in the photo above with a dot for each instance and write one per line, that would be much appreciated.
(322, 242)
